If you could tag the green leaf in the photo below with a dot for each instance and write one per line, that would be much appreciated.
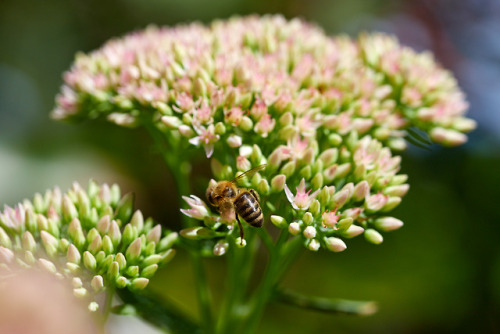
(335, 306)
(157, 311)
(418, 138)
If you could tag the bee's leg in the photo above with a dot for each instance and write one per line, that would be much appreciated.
(254, 194)
(241, 230)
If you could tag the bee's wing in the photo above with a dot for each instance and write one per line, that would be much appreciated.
(249, 172)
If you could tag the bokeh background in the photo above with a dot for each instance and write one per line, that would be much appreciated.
(439, 274)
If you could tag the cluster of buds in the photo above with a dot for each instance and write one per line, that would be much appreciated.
(340, 193)
(92, 237)
(322, 113)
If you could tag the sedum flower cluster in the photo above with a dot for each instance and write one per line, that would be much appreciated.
(325, 114)
(92, 237)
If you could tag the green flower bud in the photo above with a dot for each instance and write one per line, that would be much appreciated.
(107, 245)
(68, 209)
(256, 155)
(343, 170)
(288, 169)
(154, 234)
(114, 233)
(152, 259)
(392, 202)
(42, 223)
(96, 244)
(137, 221)
(6, 255)
(93, 307)
(38, 203)
(49, 243)
(73, 268)
(104, 224)
(315, 207)
(286, 119)
(115, 194)
(278, 183)
(329, 156)
(387, 224)
(31, 221)
(373, 236)
(97, 283)
(313, 245)
(307, 218)
(399, 179)
(149, 271)
(76, 234)
(76, 282)
(113, 271)
(344, 224)
(28, 241)
(317, 181)
(220, 128)
(294, 228)
(129, 234)
(89, 261)
(134, 250)
(167, 256)
(80, 292)
(44, 264)
(398, 190)
(310, 232)
(106, 262)
(140, 283)
(335, 244)
(335, 139)
(4, 239)
(352, 231)
(279, 221)
(29, 258)
(306, 172)
(246, 123)
(121, 282)
(133, 271)
(263, 187)
(120, 258)
(221, 248)
(167, 241)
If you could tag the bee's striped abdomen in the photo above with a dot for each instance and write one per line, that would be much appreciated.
(248, 208)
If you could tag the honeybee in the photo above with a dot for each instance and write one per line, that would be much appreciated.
(232, 201)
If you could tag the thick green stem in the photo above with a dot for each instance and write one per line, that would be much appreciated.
(180, 168)
(280, 257)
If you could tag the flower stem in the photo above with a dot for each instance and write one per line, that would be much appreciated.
(280, 257)
(179, 168)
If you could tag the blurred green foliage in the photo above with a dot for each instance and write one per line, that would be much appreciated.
(440, 273)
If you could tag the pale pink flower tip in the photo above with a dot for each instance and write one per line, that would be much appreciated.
(198, 208)
(302, 200)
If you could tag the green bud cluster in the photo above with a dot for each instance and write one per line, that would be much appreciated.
(92, 236)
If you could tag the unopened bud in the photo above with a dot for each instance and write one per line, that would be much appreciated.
(49, 242)
(234, 141)
(149, 271)
(398, 190)
(97, 283)
(246, 123)
(335, 244)
(288, 169)
(134, 250)
(392, 202)
(140, 283)
(361, 190)
(387, 224)
(279, 221)
(309, 232)
(89, 261)
(308, 219)
(278, 182)
(73, 255)
(315, 207)
(313, 245)
(373, 236)
(353, 231)
(294, 228)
